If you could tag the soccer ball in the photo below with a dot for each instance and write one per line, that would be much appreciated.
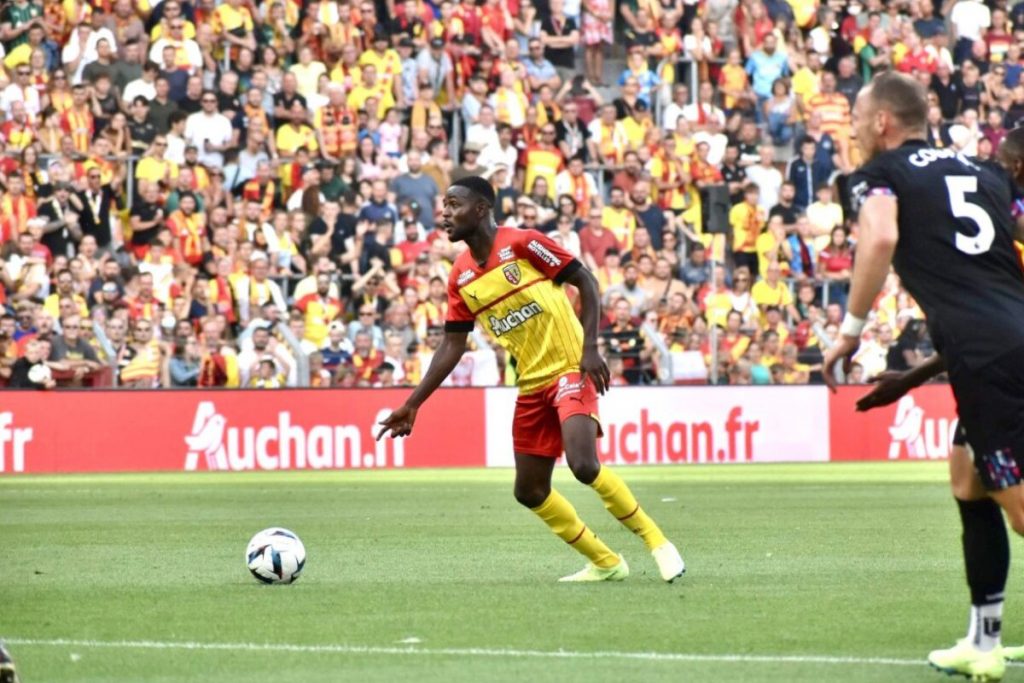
(275, 555)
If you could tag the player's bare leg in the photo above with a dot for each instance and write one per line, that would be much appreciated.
(533, 490)
(979, 655)
(579, 436)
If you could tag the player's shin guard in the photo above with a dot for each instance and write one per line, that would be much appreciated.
(987, 561)
(560, 516)
(619, 501)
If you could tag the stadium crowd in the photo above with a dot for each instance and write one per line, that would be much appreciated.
(241, 193)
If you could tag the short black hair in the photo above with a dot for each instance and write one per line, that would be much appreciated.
(478, 186)
(903, 96)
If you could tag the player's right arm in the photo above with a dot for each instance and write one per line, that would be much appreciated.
(876, 246)
(447, 356)
(892, 386)
(457, 328)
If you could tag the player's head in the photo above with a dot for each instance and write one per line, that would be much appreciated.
(1011, 154)
(891, 109)
(468, 206)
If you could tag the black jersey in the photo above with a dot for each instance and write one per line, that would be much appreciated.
(955, 252)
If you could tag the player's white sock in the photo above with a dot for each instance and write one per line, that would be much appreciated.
(985, 626)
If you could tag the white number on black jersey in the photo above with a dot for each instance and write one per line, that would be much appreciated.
(960, 185)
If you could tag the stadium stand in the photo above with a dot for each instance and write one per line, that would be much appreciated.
(236, 193)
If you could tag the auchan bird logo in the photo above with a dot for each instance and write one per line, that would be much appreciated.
(282, 445)
(916, 436)
(207, 439)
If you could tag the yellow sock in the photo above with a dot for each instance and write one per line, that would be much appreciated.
(619, 501)
(560, 516)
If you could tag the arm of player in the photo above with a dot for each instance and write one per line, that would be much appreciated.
(878, 236)
(591, 363)
(447, 356)
(891, 386)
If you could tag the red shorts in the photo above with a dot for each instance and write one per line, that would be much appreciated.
(537, 424)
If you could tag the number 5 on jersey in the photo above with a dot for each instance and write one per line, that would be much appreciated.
(958, 186)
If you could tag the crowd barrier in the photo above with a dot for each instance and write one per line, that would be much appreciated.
(143, 431)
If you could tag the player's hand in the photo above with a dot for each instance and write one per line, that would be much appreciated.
(841, 350)
(889, 388)
(399, 423)
(592, 365)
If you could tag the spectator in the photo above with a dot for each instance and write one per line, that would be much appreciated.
(747, 220)
(625, 341)
(765, 66)
(629, 290)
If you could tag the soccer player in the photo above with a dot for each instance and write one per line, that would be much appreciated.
(512, 281)
(945, 223)
(966, 485)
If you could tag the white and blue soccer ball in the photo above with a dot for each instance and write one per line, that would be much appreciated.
(275, 555)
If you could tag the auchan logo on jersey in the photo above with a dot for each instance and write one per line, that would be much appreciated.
(216, 445)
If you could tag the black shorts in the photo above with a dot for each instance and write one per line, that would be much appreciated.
(959, 438)
(990, 403)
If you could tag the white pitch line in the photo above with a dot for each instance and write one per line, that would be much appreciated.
(464, 652)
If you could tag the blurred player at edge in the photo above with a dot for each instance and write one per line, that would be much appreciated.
(892, 386)
(512, 279)
(945, 223)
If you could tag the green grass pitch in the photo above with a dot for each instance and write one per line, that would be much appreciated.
(839, 572)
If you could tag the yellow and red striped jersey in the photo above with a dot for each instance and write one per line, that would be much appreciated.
(517, 295)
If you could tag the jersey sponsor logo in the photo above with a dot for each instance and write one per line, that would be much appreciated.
(513, 318)
(215, 445)
(512, 273)
(916, 436)
(923, 157)
(505, 254)
(545, 255)
(464, 277)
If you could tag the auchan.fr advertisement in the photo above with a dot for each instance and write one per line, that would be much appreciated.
(675, 425)
(919, 426)
(130, 431)
(142, 431)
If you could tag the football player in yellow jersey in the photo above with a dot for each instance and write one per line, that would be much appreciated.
(512, 281)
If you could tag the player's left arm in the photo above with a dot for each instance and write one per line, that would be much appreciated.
(591, 363)
(551, 259)
(892, 386)
(875, 249)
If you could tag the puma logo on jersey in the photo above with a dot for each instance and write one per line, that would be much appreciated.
(513, 318)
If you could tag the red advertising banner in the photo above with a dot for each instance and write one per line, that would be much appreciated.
(919, 426)
(140, 431)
